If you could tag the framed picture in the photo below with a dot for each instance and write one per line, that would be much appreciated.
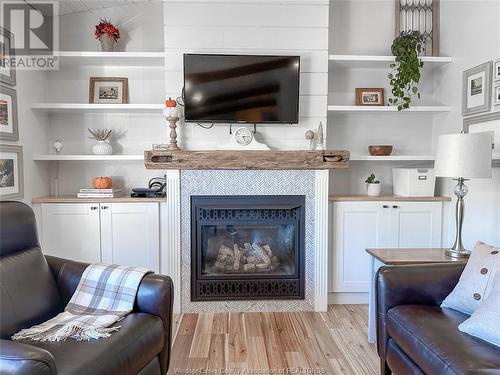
(496, 70)
(7, 73)
(11, 172)
(8, 114)
(476, 87)
(373, 96)
(108, 90)
(496, 97)
(489, 122)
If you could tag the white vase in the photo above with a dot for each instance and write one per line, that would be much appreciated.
(373, 190)
(102, 148)
(107, 43)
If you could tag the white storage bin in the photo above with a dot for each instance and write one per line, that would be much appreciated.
(413, 182)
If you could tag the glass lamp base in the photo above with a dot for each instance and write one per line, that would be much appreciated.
(457, 253)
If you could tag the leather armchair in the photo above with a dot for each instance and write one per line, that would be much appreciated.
(35, 288)
(415, 335)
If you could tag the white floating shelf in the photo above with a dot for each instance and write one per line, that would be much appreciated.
(383, 109)
(91, 58)
(359, 157)
(373, 61)
(98, 108)
(53, 157)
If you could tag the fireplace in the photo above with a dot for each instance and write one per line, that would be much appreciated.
(247, 247)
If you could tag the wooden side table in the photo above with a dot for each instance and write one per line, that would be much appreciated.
(397, 257)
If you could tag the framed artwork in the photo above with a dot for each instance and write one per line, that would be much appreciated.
(108, 90)
(8, 114)
(7, 73)
(11, 172)
(496, 70)
(496, 95)
(370, 96)
(489, 122)
(476, 87)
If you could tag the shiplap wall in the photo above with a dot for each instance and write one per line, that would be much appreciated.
(252, 27)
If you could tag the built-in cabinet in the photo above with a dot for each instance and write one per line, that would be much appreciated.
(378, 224)
(118, 233)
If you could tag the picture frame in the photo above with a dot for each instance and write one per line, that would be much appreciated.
(370, 97)
(11, 172)
(9, 130)
(496, 95)
(489, 122)
(496, 70)
(108, 90)
(476, 89)
(7, 74)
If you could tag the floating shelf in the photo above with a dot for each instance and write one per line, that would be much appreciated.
(53, 157)
(91, 58)
(384, 109)
(98, 108)
(373, 61)
(358, 157)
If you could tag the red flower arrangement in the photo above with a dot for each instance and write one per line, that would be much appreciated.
(106, 27)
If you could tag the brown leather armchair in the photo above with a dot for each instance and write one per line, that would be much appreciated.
(415, 335)
(34, 288)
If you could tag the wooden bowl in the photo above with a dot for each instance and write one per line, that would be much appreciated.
(380, 150)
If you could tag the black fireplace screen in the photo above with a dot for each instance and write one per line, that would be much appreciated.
(247, 247)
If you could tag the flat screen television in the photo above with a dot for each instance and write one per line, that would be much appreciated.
(241, 88)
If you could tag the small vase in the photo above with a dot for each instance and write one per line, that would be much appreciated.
(373, 190)
(102, 148)
(107, 43)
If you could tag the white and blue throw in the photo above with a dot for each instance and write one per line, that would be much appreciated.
(105, 294)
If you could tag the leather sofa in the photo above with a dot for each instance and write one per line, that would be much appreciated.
(415, 335)
(34, 288)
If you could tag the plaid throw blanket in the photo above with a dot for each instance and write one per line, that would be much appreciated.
(105, 294)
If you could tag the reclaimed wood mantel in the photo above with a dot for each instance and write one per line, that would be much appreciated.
(222, 159)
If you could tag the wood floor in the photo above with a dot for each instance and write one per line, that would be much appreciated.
(334, 342)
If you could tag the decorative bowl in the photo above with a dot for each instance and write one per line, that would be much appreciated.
(380, 150)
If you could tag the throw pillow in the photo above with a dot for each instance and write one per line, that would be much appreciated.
(485, 322)
(476, 281)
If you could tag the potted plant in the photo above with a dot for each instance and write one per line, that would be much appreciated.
(103, 138)
(406, 70)
(372, 186)
(108, 34)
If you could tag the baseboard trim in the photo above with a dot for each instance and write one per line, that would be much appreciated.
(348, 298)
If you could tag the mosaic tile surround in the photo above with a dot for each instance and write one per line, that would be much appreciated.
(242, 182)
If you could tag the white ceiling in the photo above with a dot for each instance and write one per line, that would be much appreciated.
(80, 6)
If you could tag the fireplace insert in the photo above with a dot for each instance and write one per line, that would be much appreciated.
(247, 247)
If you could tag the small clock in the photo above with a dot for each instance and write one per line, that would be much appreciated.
(243, 136)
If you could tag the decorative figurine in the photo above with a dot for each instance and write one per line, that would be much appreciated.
(58, 146)
(309, 138)
(319, 134)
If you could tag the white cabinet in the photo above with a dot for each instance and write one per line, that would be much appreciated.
(118, 233)
(364, 224)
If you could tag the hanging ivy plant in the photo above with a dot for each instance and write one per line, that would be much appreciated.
(406, 70)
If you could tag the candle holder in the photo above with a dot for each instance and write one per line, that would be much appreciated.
(173, 133)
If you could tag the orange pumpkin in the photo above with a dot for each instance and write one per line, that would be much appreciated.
(171, 102)
(102, 183)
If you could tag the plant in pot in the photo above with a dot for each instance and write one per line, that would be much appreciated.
(406, 70)
(108, 34)
(372, 186)
(103, 138)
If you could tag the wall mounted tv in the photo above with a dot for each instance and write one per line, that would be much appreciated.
(241, 88)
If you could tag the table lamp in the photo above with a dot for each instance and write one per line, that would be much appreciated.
(463, 156)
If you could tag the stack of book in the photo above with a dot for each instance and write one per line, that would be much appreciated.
(99, 193)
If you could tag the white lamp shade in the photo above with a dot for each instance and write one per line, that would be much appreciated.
(464, 155)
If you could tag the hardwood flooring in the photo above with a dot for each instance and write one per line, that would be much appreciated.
(331, 343)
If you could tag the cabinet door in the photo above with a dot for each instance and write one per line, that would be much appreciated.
(415, 224)
(130, 234)
(71, 231)
(356, 227)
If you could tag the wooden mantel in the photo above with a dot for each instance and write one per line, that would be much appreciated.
(242, 159)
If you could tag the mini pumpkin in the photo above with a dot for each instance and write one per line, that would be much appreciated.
(171, 102)
(102, 183)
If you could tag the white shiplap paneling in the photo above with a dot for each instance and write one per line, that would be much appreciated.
(252, 27)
